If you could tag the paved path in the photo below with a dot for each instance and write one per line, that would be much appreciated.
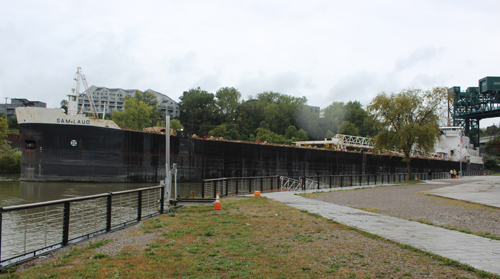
(481, 253)
(484, 190)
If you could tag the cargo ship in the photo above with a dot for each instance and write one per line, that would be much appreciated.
(69, 146)
(61, 147)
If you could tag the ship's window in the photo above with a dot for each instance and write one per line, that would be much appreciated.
(30, 144)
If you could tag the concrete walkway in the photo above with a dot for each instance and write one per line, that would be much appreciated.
(478, 252)
(484, 190)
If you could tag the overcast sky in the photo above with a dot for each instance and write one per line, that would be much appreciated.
(324, 50)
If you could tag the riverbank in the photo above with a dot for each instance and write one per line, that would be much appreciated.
(248, 238)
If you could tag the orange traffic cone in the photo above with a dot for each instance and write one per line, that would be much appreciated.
(217, 203)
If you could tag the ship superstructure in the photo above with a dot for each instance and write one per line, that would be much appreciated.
(453, 145)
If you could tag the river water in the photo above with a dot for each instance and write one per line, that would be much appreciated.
(13, 191)
(28, 230)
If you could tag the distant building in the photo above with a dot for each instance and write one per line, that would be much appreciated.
(315, 110)
(110, 99)
(10, 109)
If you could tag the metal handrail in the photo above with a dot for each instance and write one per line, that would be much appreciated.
(311, 182)
(242, 177)
(58, 223)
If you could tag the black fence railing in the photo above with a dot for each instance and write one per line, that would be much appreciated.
(238, 185)
(246, 185)
(32, 230)
(332, 181)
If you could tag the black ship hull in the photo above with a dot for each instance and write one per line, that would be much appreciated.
(60, 152)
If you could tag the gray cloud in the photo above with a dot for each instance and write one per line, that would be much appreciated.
(288, 82)
(209, 82)
(361, 86)
(364, 85)
(301, 48)
(419, 55)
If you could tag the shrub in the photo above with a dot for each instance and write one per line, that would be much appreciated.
(10, 161)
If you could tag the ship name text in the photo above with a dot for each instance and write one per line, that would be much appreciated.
(73, 121)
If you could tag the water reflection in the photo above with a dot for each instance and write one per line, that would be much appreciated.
(13, 191)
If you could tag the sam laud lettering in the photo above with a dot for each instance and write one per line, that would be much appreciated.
(73, 121)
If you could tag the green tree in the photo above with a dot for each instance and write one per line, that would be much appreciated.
(281, 110)
(233, 134)
(293, 134)
(10, 159)
(176, 125)
(197, 111)
(330, 134)
(491, 163)
(277, 111)
(356, 115)
(146, 97)
(348, 128)
(219, 131)
(493, 146)
(407, 118)
(249, 115)
(264, 135)
(228, 100)
(492, 131)
(332, 118)
(13, 127)
(136, 115)
(150, 100)
(3, 131)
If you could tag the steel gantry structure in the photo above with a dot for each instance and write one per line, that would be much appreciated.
(476, 103)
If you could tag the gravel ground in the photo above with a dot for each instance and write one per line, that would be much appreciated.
(406, 202)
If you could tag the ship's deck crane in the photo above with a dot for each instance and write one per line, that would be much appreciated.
(81, 80)
(343, 142)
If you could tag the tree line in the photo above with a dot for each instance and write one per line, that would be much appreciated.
(272, 116)
(269, 116)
